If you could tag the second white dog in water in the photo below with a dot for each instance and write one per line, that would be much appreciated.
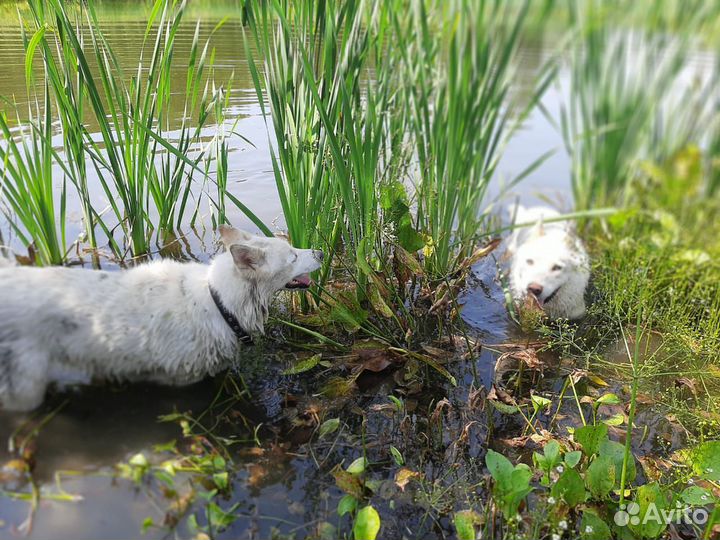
(548, 262)
(165, 321)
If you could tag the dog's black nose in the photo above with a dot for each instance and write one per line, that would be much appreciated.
(319, 255)
(535, 289)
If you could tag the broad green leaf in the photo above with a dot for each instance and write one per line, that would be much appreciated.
(590, 438)
(573, 458)
(569, 487)
(592, 527)
(347, 503)
(607, 399)
(652, 501)
(367, 524)
(500, 468)
(705, 460)
(357, 466)
(600, 476)
(616, 452)
(464, 522)
(697, 496)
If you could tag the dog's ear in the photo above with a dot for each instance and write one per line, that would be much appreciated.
(247, 257)
(230, 235)
(539, 228)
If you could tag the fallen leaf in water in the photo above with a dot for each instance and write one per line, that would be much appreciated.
(347, 482)
(404, 476)
(480, 253)
(515, 442)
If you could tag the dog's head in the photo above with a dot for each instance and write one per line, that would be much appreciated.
(270, 261)
(549, 262)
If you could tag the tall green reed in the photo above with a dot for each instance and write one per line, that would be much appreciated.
(462, 113)
(27, 188)
(145, 180)
(329, 118)
(619, 82)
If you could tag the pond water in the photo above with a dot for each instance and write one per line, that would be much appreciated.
(282, 485)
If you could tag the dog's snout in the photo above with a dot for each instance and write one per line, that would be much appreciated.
(535, 289)
(319, 255)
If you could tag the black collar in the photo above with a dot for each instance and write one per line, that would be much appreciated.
(230, 319)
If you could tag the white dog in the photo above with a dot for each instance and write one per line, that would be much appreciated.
(549, 262)
(165, 321)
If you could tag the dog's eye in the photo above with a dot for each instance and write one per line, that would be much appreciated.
(556, 268)
(530, 262)
(295, 257)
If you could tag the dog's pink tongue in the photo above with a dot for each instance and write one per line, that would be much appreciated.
(304, 280)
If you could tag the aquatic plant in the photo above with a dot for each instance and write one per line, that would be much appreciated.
(145, 179)
(618, 83)
(27, 186)
(461, 114)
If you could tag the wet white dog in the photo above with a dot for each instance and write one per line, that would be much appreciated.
(165, 321)
(548, 262)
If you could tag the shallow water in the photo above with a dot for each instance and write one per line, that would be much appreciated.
(286, 484)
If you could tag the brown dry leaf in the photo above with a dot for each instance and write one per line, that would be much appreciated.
(348, 483)
(442, 404)
(405, 475)
(481, 253)
(257, 473)
(374, 360)
(475, 398)
(498, 394)
(406, 260)
(655, 468)
(516, 442)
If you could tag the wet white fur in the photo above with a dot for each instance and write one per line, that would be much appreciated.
(535, 250)
(154, 322)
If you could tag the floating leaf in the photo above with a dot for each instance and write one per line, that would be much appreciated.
(614, 420)
(607, 399)
(367, 524)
